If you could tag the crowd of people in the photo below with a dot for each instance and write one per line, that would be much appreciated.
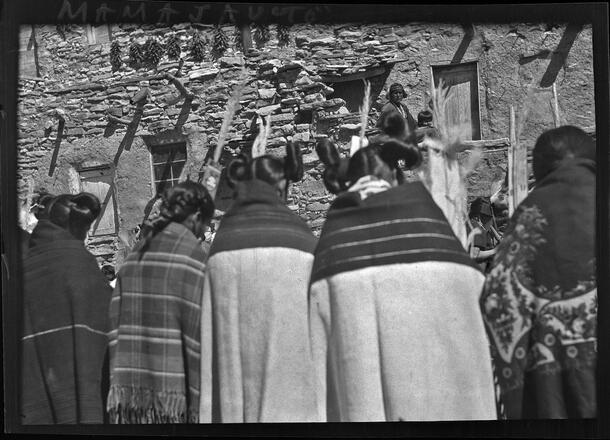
(385, 317)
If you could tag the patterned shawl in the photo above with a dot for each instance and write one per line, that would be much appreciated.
(64, 343)
(400, 225)
(540, 299)
(259, 218)
(155, 338)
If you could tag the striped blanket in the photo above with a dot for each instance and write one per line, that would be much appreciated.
(64, 343)
(396, 329)
(155, 337)
(256, 355)
(540, 300)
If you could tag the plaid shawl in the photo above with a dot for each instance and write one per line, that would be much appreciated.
(155, 338)
(540, 299)
(400, 225)
(66, 300)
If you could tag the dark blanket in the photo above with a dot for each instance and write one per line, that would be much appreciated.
(64, 343)
(540, 299)
(259, 218)
(400, 225)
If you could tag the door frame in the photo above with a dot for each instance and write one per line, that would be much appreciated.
(476, 63)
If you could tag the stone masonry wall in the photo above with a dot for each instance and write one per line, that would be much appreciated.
(285, 83)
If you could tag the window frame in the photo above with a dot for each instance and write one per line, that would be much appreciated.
(91, 34)
(171, 146)
(108, 171)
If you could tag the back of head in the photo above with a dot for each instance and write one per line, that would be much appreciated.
(74, 213)
(393, 124)
(559, 144)
(366, 162)
(178, 203)
(269, 169)
(41, 205)
(379, 159)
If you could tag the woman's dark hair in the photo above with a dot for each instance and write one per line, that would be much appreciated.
(177, 204)
(393, 124)
(367, 161)
(335, 169)
(370, 160)
(557, 144)
(40, 208)
(268, 168)
(75, 213)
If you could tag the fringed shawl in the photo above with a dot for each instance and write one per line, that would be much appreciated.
(64, 343)
(155, 338)
(540, 299)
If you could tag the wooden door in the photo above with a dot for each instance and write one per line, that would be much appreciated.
(463, 104)
(99, 182)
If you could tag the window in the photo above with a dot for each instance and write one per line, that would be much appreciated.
(463, 105)
(98, 34)
(28, 56)
(167, 164)
(99, 180)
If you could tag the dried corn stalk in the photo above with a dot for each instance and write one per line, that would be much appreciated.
(212, 170)
(230, 110)
(364, 110)
(445, 176)
(260, 143)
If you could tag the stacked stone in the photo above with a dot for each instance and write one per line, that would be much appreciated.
(284, 83)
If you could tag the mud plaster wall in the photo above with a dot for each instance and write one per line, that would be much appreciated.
(285, 81)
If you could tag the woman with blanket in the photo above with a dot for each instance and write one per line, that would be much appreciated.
(396, 329)
(259, 362)
(66, 300)
(540, 297)
(155, 315)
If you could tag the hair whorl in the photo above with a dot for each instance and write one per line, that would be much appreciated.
(332, 176)
(238, 170)
(293, 162)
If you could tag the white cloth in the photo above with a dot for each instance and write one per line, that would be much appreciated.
(369, 185)
(257, 301)
(402, 342)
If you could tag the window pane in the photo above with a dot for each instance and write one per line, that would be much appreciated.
(161, 186)
(102, 34)
(162, 172)
(160, 156)
(180, 153)
(177, 168)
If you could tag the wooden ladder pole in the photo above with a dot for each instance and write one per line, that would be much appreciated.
(511, 149)
(556, 106)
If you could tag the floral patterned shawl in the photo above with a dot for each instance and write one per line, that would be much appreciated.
(540, 300)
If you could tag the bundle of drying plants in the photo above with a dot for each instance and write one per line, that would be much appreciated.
(444, 175)
(212, 170)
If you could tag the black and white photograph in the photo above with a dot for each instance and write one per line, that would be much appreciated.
(295, 215)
